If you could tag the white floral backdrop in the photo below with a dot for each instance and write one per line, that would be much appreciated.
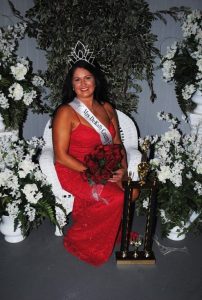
(146, 116)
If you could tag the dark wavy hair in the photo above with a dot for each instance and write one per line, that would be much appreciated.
(100, 93)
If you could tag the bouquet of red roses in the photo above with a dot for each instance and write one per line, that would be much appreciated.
(102, 162)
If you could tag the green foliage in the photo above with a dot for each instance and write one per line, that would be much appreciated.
(119, 32)
(185, 66)
(182, 62)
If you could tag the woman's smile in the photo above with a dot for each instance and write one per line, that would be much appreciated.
(83, 83)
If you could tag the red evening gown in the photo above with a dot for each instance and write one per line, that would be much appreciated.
(95, 223)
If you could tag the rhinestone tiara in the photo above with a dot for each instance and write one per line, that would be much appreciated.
(80, 52)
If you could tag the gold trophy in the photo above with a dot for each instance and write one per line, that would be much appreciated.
(143, 167)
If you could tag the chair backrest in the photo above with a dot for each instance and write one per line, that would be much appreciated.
(128, 130)
(47, 135)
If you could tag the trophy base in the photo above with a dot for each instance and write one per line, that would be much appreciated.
(127, 258)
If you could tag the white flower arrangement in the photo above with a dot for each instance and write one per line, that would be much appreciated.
(183, 60)
(177, 164)
(25, 194)
(20, 88)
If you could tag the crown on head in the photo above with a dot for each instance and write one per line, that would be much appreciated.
(80, 52)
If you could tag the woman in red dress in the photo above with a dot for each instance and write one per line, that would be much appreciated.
(96, 220)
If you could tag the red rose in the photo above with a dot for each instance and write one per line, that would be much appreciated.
(92, 165)
(106, 174)
(111, 165)
(100, 154)
(102, 162)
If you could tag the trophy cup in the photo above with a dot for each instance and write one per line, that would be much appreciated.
(136, 243)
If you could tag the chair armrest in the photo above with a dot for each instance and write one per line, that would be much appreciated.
(48, 168)
(134, 157)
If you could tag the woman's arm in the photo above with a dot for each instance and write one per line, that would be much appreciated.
(63, 123)
(119, 174)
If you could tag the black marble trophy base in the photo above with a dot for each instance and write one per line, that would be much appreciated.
(128, 258)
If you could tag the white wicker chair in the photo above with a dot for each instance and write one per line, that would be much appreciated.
(130, 140)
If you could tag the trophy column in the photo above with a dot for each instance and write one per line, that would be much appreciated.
(136, 256)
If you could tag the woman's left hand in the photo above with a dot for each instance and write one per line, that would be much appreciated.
(118, 175)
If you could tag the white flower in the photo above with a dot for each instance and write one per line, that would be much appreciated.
(164, 173)
(189, 175)
(29, 97)
(25, 168)
(18, 82)
(37, 81)
(3, 101)
(168, 70)
(199, 168)
(145, 203)
(180, 57)
(23, 61)
(9, 180)
(190, 25)
(198, 187)
(171, 135)
(36, 142)
(21, 192)
(155, 162)
(5, 176)
(163, 216)
(13, 209)
(39, 176)
(16, 91)
(30, 212)
(198, 53)
(188, 91)
(198, 36)
(177, 164)
(163, 152)
(199, 64)
(19, 71)
(176, 179)
(31, 193)
(171, 51)
(160, 115)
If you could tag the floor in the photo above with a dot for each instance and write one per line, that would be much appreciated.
(39, 268)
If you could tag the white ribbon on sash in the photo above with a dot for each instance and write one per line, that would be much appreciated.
(83, 110)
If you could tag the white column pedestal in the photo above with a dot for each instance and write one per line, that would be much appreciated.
(196, 124)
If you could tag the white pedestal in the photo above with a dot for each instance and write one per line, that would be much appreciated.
(7, 228)
(174, 234)
(197, 99)
(9, 134)
(2, 126)
(196, 124)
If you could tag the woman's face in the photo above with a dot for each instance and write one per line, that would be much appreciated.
(83, 83)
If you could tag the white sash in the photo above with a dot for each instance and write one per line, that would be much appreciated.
(83, 110)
